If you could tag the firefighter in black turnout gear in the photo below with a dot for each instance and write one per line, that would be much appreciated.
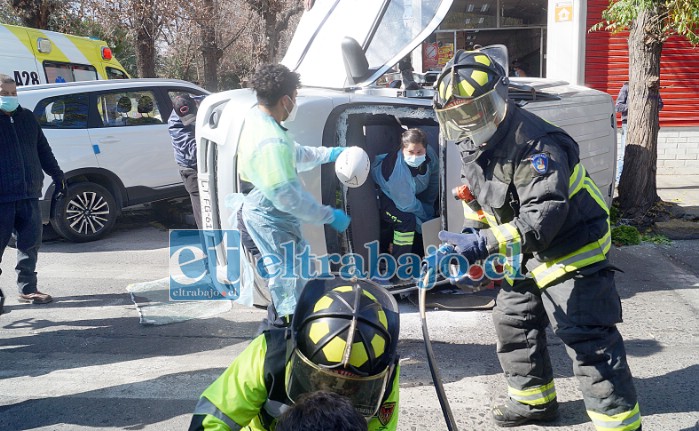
(536, 205)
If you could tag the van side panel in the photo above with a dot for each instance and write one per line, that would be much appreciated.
(16, 57)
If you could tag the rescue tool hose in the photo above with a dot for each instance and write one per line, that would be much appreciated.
(436, 378)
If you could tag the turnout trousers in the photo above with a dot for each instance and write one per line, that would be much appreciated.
(583, 310)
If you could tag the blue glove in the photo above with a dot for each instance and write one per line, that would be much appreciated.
(472, 246)
(335, 152)
(429, 268)
(340, 221)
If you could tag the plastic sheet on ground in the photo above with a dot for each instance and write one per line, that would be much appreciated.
(152, 300)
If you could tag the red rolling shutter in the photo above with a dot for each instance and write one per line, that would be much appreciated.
(607, 67)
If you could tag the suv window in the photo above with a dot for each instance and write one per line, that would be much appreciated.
(63, 112)
(131, 108)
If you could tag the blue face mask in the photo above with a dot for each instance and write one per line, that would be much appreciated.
(415, 161)
(8, 103)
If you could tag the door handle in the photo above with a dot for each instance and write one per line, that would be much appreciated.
(108, 140)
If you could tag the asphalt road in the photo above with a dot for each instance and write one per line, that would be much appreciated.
(84, 362)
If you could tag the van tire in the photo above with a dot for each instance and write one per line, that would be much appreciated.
(86, 213)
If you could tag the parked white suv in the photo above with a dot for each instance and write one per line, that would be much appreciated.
(111, 140)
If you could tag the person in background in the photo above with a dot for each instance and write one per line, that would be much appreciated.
(270, 160)
(343, 339)
(181, 128)
(322, 411)
(408, 179)
(622, 107)
(24, 154)
(518, 69)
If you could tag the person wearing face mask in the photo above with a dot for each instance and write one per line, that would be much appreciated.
(408, 179)
(269, 160)
(24, 154)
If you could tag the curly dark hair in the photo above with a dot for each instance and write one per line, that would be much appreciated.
(271, 82)
(321, 411)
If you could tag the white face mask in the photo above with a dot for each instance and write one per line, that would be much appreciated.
(291, 115)
(415, 161)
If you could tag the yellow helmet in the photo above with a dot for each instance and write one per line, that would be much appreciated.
(345, 337)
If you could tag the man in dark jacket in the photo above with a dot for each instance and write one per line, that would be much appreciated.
(536, 206)
(24, 153)
(181, 127)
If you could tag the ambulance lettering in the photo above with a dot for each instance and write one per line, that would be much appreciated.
(25, 77)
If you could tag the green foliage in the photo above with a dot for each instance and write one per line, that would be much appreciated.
(614, 214)
(657, 239)
(673, 17)
(625, 235)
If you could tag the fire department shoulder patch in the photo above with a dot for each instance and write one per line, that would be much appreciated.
(386, 413)
(540, 163)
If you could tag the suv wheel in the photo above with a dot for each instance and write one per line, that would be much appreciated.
(86, 213)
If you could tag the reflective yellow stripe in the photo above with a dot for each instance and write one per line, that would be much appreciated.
(510, 245)
(591, 253)
(576, 180)
(625, 421)
(535, 396)
(403, 238)
(473, 215)
(489, 218)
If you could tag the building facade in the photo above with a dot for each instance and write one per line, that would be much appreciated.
(550, 38)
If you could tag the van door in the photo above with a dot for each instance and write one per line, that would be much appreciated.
(386, 31)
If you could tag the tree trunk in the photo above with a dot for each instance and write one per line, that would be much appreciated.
(211, 53)
(146, 29)
(637, 187)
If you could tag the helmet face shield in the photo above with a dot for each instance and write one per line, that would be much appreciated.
(472, 118)
(365, 393)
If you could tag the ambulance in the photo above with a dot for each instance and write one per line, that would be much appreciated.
(31, 56)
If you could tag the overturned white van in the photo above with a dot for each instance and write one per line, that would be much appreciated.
(340, 49)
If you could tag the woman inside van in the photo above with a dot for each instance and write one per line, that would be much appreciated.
(408, 178)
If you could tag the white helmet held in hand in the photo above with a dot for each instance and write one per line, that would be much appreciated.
(352, 167)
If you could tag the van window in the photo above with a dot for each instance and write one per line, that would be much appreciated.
(113, 73)
(68, 72)
(63, 112)
(132, 108)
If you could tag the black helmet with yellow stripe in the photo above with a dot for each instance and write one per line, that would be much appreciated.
(345, 337)
(471, 97)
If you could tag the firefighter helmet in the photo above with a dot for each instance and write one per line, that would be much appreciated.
(471, 97)
(345, 337)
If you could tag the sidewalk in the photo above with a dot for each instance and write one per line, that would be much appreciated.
(682, 192)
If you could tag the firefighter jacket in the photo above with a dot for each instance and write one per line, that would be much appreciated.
(251, 394)
(534, 200)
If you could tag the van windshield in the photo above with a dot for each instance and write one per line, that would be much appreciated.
(402, 23)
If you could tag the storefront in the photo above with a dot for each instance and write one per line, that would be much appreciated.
(520, 25)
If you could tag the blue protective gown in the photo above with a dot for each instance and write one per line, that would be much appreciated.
(269, 158)
(411, 194)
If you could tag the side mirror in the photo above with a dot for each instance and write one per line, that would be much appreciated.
(356, 64)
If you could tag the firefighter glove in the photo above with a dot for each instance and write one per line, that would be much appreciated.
(472, 246)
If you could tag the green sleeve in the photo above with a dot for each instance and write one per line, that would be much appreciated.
(240, 392)
(386, 419)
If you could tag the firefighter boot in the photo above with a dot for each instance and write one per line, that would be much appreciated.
(511, 413)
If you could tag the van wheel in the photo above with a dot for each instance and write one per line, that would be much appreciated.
(86, 213)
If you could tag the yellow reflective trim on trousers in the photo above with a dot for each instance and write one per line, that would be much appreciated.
(536, 396)
(625, 421)
(507, 234)
(403, 238)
